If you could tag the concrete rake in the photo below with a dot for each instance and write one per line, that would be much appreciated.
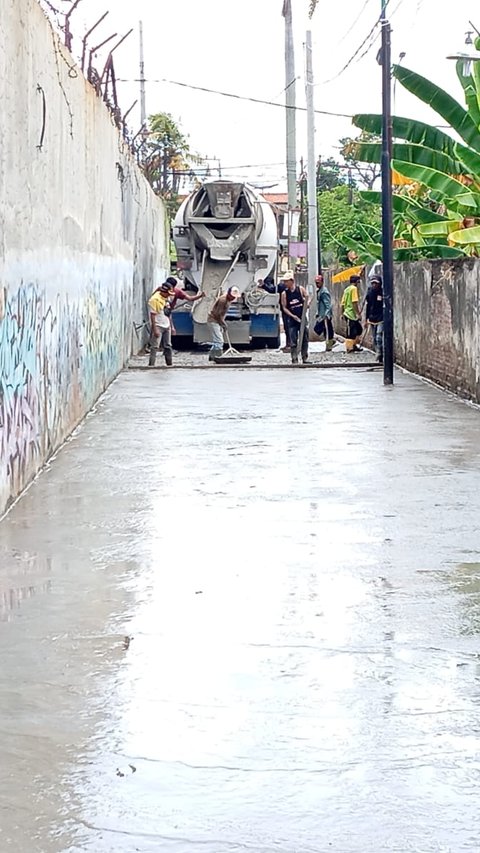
(231, 355)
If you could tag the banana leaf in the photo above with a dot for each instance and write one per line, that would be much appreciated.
(466, 236)
(447, 187)
(419, 133)
(443, 104)
(476, 73)
(468, 86)
(371, 152)
(417, 238)
(470, 160)
(439, 229)
(403, 204)
(460, 206)
(367, 252)
(414, 253)
(409, 129)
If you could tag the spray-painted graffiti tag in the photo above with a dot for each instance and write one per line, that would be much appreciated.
(55, 360)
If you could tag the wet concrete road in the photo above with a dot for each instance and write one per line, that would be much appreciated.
(296, 557)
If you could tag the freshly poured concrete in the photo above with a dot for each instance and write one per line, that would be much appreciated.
(296, 558)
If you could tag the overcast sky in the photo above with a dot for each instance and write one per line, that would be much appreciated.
(238, 47)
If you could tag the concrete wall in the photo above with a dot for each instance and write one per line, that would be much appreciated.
(437, 330)
(436, 322)
(82, 239)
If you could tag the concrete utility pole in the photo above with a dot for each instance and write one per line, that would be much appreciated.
(290, 104)
(387, 214)
(143, 107)
(311, 169)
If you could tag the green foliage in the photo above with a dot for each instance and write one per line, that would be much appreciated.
(447, 107)
(366, 170)
(437, 209)
(330, 175)
(345, 226)
(168, 160)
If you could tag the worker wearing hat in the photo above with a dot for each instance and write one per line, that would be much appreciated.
(161, 335)
(216, 320)
(295, 302)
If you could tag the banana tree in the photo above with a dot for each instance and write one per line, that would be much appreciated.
(443, 173)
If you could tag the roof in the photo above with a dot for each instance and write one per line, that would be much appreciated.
(276, 198)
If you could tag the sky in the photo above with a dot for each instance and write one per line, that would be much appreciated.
(238, 47)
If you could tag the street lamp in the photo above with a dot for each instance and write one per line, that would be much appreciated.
(468, 57)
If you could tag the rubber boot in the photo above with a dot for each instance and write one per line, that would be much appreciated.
(214, 353)
(294, 354)
(153, 355)
(168, 355)
(330, 345)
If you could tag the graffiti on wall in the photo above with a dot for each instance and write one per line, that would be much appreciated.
(55, 360)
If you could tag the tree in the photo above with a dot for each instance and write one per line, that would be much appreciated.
(348, 223)
(169, 162)
(367, 173)
(437, 178)
(312, 7)
(329, 175)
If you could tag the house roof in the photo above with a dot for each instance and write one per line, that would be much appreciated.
(276, 198)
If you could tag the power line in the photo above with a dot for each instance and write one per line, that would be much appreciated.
(355, 22)
(370, 37)
(231, 95)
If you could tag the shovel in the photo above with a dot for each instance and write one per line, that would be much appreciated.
(231, 355)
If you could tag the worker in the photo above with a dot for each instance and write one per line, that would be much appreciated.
(353, 314)
(161, 335)
(324, 321)
(374, 314)
(295, 302)
(264, 284)
(178, 295)
(216, 320)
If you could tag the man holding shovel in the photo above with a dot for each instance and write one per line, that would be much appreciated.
(216, 320)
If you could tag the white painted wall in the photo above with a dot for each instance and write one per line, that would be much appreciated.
(82, 241)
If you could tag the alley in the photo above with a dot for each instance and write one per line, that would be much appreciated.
(295, 557)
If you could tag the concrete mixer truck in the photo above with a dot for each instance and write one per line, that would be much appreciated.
(225, 235)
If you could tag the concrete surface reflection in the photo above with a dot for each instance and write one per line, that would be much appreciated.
(295, 558)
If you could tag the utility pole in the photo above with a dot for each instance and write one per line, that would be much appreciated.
(318, 166)
(387, 215)
(143, 107)
(290, 105)
(311, 169)
(303, 226)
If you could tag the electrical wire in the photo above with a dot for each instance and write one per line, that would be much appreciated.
(230, 95)
(367, 43)
(397, 7)
(355, 22)
(370, 38)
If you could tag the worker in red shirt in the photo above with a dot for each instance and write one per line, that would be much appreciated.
(179, 295)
